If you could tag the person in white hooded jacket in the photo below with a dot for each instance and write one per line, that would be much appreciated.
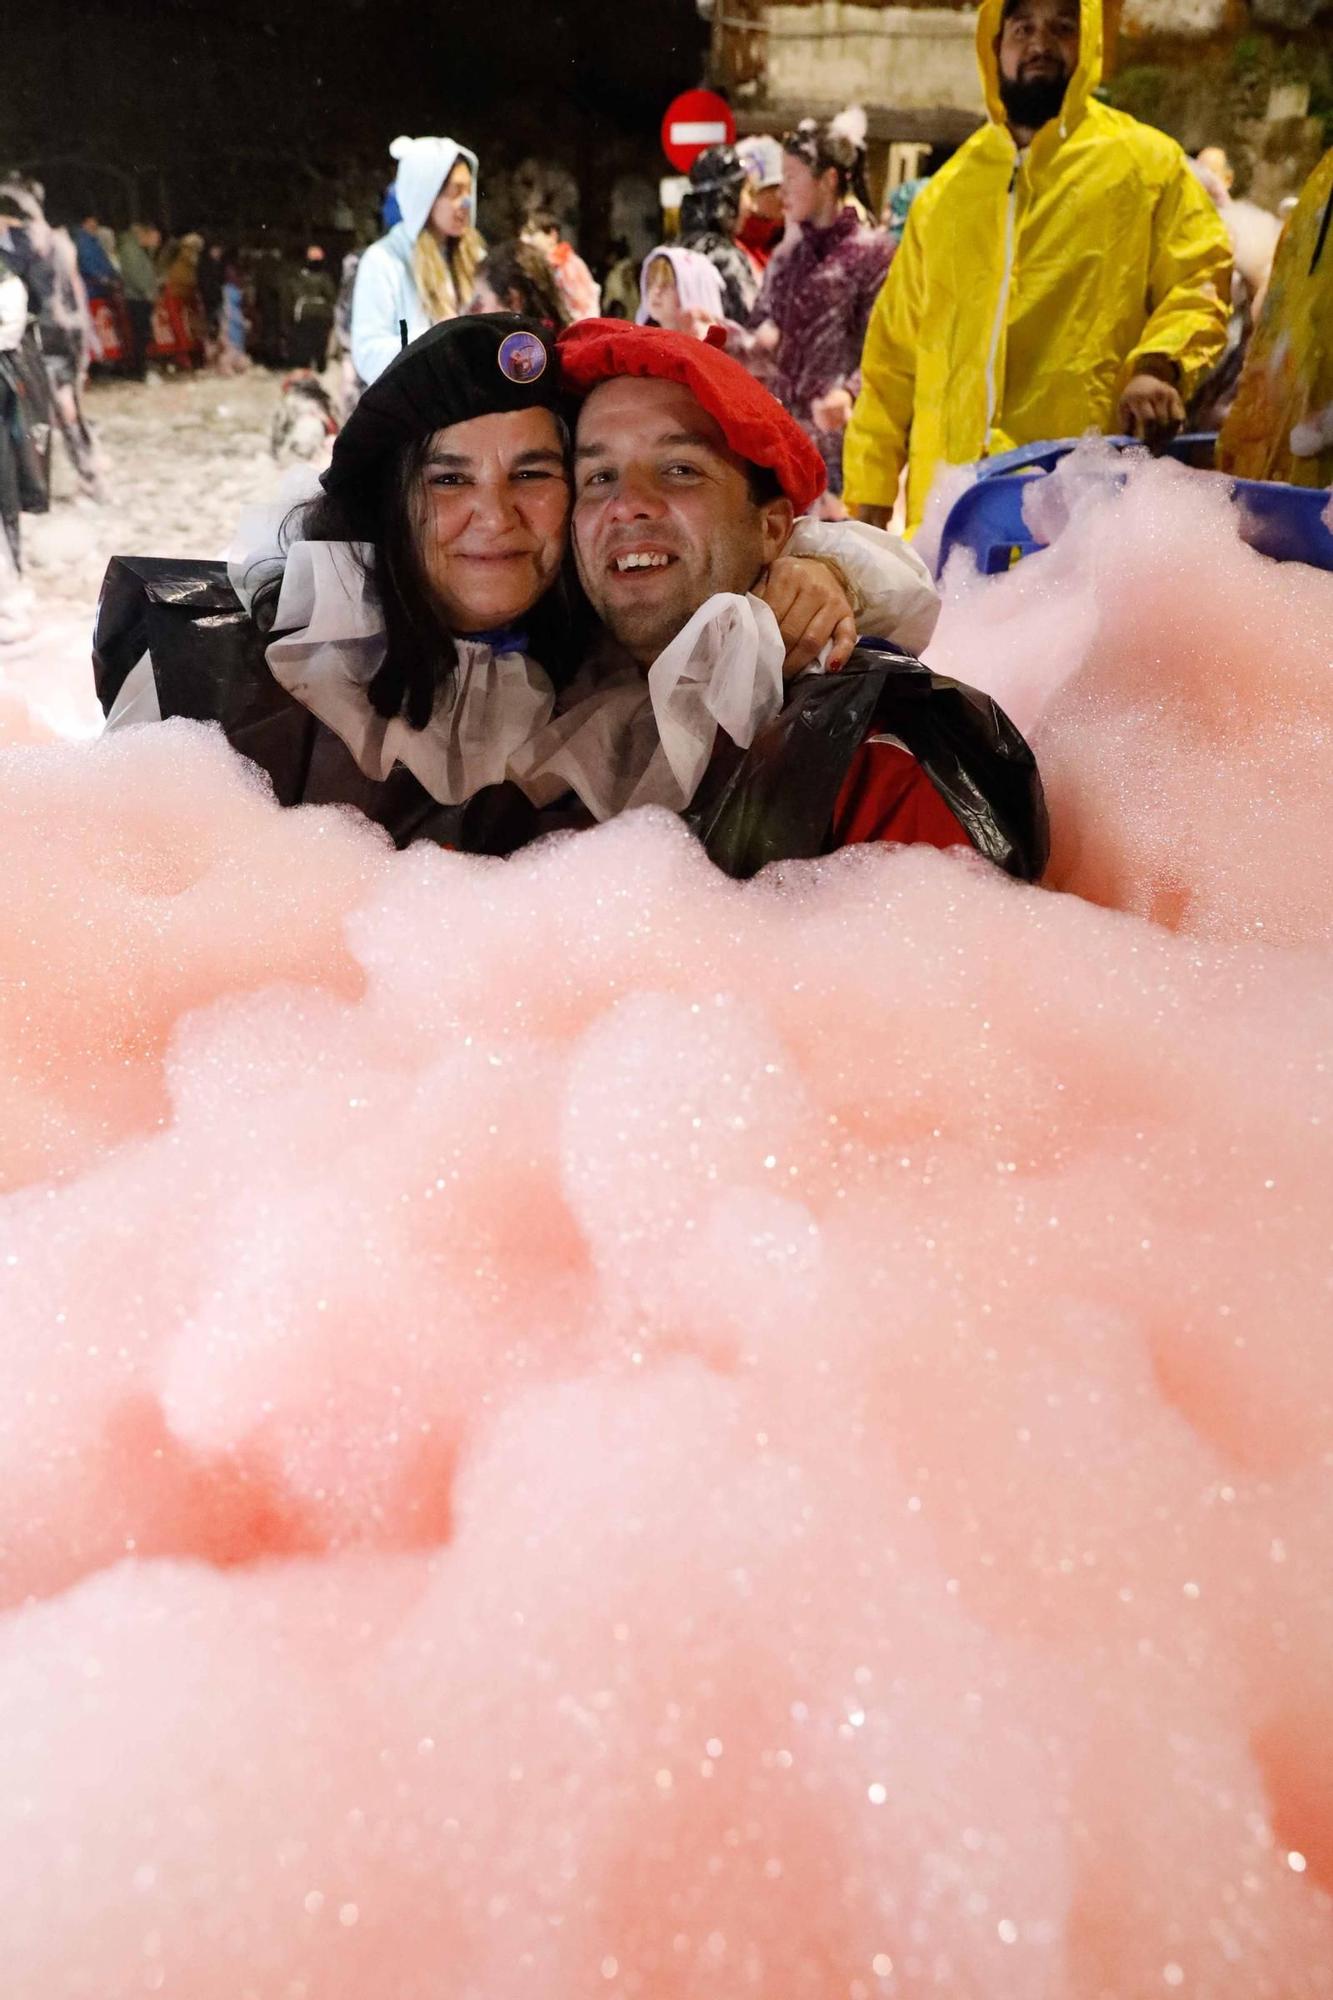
(425, 269)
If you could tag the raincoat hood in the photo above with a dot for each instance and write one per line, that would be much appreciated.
(424, 165)
(1087, 70)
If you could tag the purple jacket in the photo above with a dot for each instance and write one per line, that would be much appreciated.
(819, 294)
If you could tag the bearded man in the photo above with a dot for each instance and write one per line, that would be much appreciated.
(1064, 271)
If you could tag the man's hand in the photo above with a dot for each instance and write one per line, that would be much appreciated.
(808, 599)
(832, 412)
(875, 517)
(766, 338)
(1151, 409)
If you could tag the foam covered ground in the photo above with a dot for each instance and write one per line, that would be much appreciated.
(571, 1427)
(183, 455)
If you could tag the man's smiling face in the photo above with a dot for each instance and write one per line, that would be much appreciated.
(664, 515)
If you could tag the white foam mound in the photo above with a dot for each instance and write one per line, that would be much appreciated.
(571, 1427)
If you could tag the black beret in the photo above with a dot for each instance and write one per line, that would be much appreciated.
(481, 365)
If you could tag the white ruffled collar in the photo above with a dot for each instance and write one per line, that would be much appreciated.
(614, 737)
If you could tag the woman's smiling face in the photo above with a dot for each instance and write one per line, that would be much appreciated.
(491, 515)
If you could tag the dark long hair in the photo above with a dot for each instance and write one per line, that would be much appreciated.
(421, 655)
(520, 267)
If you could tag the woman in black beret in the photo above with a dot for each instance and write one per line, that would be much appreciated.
(471, 408)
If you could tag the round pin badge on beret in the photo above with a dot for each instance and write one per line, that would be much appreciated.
(522, 357)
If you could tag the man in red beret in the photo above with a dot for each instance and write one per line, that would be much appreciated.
(688, 477)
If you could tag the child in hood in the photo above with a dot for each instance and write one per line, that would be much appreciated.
(680, 290)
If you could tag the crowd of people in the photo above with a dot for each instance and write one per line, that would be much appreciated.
(965, 314)
(579, 541)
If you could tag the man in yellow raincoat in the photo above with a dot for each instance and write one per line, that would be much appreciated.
(1064, 271)
(1281, 423)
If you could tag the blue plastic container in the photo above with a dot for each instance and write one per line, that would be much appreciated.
(1283, 522)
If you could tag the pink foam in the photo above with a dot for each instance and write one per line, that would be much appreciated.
(1178, 690)
(572, 1427)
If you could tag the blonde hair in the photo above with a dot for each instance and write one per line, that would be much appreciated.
(446, 282)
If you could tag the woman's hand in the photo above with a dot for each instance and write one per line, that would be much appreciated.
(693, 320)
(829, 507)
(832, 412)
(810, 602)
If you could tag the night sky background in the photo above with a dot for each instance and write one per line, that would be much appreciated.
(255, 118)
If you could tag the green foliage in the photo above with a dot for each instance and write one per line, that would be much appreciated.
(1233, 83)
(1319, 74)
(1148, 91)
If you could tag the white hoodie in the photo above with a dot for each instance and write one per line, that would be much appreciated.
(386, 292)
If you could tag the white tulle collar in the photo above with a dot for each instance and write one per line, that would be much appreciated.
(614, 737)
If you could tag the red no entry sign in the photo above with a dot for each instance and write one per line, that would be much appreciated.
(695, 119)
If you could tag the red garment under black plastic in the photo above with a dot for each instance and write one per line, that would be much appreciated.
(887, 796)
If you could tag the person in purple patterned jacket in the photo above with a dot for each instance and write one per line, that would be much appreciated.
(818, 291)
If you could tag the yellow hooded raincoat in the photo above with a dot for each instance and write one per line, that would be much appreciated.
(1281, 423)
(1028, 288)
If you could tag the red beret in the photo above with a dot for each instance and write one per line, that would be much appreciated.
(754, 423)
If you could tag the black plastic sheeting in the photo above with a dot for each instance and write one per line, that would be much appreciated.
(209, 666)
(777, 801)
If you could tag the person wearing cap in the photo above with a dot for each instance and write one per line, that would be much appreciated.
(1064, 271)
(711, 213)
(687, 479)
(762, 226)
(414, 643)
(681, 290)
(424, 269)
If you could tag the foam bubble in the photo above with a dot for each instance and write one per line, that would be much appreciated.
(1178, 690)
(572, 1426)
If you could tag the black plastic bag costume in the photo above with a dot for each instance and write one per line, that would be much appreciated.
(774, 801)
